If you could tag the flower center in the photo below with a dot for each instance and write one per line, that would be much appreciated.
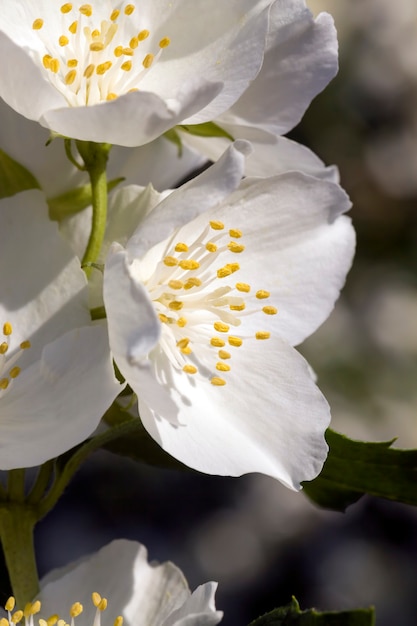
(205, 309)
(97, 58)
(8, 364)
(33, 608)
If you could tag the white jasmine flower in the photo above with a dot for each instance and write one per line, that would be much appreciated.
(124, 73)
(204, 303)
(132, 592)
(56, 376)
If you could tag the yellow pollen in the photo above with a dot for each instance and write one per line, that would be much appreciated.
(36, 607)
(270, 310)
(221, 327)
(129, 8)
(192, 282)
(62, 622)
(262, 334)
(175, 284)
(27, 609)
(4, 622)
(37, 24)
(234, 232)
(96, 598)
(115, 14)
(25, 345)
(7, 329)
(118, 621)
(14, 372)
(72, 63)
(222, 367)
(181, 247)
(127, 52)
(223, 272)
(134, 42)
(163, 318)
(118, 51)
(181, 322)
(235, 247)
(244, 287)
(236, 342)
(176, 305)
(217, 381)
(70, 77)
(148, 60)
(52, 620)
(66, 8)
(103, 605)
(95, 33)
(46, 60)
(54, 66)
(217, 342)
(89, 70)
(86, 9)
(189, 369)
(73, 27)
(126, 66)
(164, 43)
(111, 96)
(4, 347)
(102, 68)
(261, 294)
(189, 264)
(170, 261)
(183, 343)
(4, 383)
(17, 616)
(211, 247)
(133, 90)
(144, 34)
(216, 225)
(96, 46)
(186, 350)
(10, 604)
(63, 41)
(223, 354)
(234, 267)
(76, 609)
(237, 307)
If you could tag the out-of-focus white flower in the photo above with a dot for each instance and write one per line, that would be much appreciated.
(124, 73)
(204, 303)
(56, 375)
(133, 592)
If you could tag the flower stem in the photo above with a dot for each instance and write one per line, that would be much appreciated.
(17, 522)
(95, 156)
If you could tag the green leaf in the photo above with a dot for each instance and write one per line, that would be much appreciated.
(355, 468)
(291, 615)
(75, 200)
(14, 177)
(208, 129)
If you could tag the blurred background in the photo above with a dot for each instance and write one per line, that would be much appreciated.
(260, 541)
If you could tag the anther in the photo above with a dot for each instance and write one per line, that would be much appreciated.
(114, 15)
(234, 232)
(7, 329)
(164, 43)
(133, 43)
(262, 334)
(86, 9)
(70, 77)
(129, 8)
(76, 609)
(96, 46)
(216, 225)
(217, 381)
(234, 267)
(183, 343)
(4, 383)
(175, 284)
(102, 605)
(223, 272)
(236, 342)
(223, 354)
(181, 322)
(72, 63)
(17, 617)
(189, 369)
(4, 347)
(211, 247)
(118, 621)
(235, 247)
(66, 8)
(10, 604)
(89, 70)
(96, 598)
(111, 96)
(163, 318)
(217, 342)
(52, 620)
(189, 264)
(262, 294)
(270, 310)
(144, 34)
(54, 65)
(222, 367)
(37, 24)
(102, 68)
(5, 622)
(170, 261)
(237, 307)
(221, 327)
(63, 41)
(244, 287)
(192, 282)
(148, 60)
(73, 27)
(36, 607)
(46, 60)
(14, 372)
(176, 305)
(181, 247)
(118, 51)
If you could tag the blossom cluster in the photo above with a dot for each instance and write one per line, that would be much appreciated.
(194, 293)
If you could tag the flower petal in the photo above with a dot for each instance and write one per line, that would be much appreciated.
(198, 610)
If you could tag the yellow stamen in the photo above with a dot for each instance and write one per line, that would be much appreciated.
(175, 284)
(115, 14)
(52, 620)
(164, 43)
(181, 322)
(63, 41)
(96, 598)
(270, 310)
(211, 247)
(4, 383)
(36, 607)
(176, 305)
(14, 372)
(234, 267)
(129, 8)
(25, 345)
(37, 24)
(126, 66)
(262, 334)
(243, 287)
(221, 327)
(46, 60)
(70, 77)
(216, 225)
(10, 604)
(235, 247)
(118, 51)
(163, 318)
(223, 272)
(86, 9)
(4, 347)
(17, 617)
(186, 350)
(89, 70)
(262, 294)
(66, 8)
(222, 367)
(192, 282)
(111, 96)
(103, 605)
(223, 354)
(181, 247)
(54, 65)
(217, 381)
(133, 43)
(72, 63)
(96, 46)
(127, 52)
(189, 264)
(4, 622)
(95, 33)
(102, 68)
(234, 232)
(237, 307)
(7, 329)
(118, 621)
(183, 343)
(236, 342)
(189, 369)
(217, 342)
(76, 609)
(148, 60)
(144, 34)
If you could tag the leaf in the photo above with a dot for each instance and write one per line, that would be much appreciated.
(14, 177)
(75, 200)
(291, 615)
(208, 129)
(355, 468)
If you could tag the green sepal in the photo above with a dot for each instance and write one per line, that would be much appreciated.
(208, 129)
(173, 136)
(355, 468)
(291, 615)
(138, 445)
(75, 201)
(14, 177)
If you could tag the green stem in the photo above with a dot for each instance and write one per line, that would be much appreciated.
(17, 522)
(95, 156)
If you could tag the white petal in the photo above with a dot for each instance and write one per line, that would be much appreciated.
(269, 417)
(198, 610)
(59, 400)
